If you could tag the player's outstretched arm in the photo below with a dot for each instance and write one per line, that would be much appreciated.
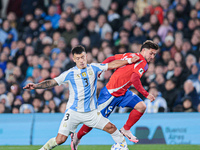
(43, 85)
(119, 63)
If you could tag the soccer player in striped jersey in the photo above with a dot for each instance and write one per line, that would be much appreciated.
(116, 92)
(82, 104)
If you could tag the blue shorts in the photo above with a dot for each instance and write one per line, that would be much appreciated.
(107, 102)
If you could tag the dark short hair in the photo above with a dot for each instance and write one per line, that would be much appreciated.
(149, 45)
(78, 50)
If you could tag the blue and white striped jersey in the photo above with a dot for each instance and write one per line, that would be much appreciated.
(82, 86)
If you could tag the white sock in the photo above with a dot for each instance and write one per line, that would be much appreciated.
(50, 144)
(118, 137)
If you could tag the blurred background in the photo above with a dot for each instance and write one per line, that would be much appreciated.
(36, 37)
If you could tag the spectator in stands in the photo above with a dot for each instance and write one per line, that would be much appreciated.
(62, 107)
(38, 15)
(158, 105)
(91, 33)
(190, 60)
(61, 25)
(47, 28)
(78, 21)
(58, 91)
(102, 27)
(48, 95)
(170, 89)
(46, 109)
(189, 90)
(187, 104)
(160, 81)
(93, 14)
(12, 19)
(80, 6)
(26, 109)
(96, 5)
(32, 30)
(195, 70)
(114, 19)
(170, 69)
(2, 88)
(18, 74)
(3, 61)
(37, 104)
(8, 34)
(15, 89)
(2, 108)
(18, 102)
(27, 98)
(15, 109)
(38, 46)
(5, 101)
(179, 75)
(53, 16)
(164, 29)
(70, 31)
(196, 84)
(69, 9)
(138, 35)
(52, 106)
(166, 57)
(154, 22)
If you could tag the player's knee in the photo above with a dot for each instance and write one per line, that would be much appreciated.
(110, 128)
(141, 107)
(61, 139)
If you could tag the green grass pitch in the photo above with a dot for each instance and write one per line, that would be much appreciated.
(107, 147)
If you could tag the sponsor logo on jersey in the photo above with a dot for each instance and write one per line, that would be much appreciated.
(90, 72)
(78, 76)
(84, 74)
(141, 71)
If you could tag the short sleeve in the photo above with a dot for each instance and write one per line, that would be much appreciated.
(140, 68)
(62, 78)
(100, 67)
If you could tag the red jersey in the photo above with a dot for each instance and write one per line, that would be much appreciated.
(120, 80)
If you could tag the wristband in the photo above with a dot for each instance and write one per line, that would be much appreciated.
(129, 60)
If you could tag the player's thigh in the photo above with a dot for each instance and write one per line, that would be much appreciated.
(130, 99)
(106, 102)
(96, 120)
(69, 122)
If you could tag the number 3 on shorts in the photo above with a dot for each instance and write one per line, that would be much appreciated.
(66, 117)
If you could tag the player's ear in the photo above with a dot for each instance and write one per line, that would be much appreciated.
(73, 58)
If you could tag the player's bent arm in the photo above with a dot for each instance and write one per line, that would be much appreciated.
(135, 80)
(46, 84)
(119, 63)
(109, 59)
(116, 64)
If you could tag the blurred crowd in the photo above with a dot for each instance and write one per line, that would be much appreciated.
(36, 37)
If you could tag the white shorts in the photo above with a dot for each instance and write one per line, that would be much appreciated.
(73, 118)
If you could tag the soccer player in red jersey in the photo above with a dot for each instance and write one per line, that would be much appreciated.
(116, 92)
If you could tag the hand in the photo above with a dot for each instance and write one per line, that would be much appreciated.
(30, 86)
(135, 59)
(151, 97)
